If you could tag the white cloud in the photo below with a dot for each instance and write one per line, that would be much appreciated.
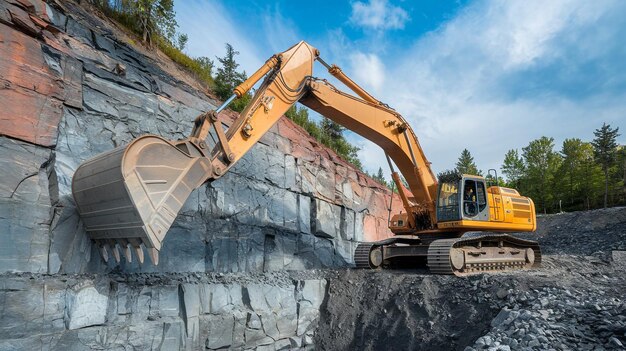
(368, 70)
(280, 32)
(456, 85)
(378, 15)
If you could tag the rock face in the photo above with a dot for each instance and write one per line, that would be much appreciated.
(232, 268)
(71, 87)
(118, 312)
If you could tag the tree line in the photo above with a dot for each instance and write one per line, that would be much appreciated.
(581, 175)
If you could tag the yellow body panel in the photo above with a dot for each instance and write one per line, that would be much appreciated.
(508, 212)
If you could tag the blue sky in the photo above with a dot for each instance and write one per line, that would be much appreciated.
(488, 76)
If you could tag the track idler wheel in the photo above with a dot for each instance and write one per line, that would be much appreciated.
(368, 256)
(530, 256)
(457, 259)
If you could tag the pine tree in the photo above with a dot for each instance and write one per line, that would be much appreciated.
(182, 41)
(605, 150)
(228, 77)
(621, 161)
(513, 168)
(573, 158)
(332, 129)
(380, 177)
(466, 165)
(590, 176)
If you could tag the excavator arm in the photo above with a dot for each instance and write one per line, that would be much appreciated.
(387, 129)
(289, 80)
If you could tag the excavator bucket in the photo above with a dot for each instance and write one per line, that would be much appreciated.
(129, 197)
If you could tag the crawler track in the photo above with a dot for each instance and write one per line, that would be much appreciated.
(468, 251)
(362, 256)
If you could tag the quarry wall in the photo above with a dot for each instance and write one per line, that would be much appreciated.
(70, 89)
(73, 85)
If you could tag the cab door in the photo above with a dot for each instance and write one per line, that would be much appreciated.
(474, 206)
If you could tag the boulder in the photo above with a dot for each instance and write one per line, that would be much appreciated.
(86, 306)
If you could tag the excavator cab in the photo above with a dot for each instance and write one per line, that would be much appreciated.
(462, 198)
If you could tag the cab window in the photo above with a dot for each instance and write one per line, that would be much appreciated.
(474, 197)
(481, 196)
(470, 207)
(448, 202)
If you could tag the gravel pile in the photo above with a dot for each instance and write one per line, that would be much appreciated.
(581, 233)
(554, 318)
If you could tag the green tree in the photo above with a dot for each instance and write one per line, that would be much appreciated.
(466, 165)
(380, 177)
(155, 17)
(621, 162)
(332, 129)
(541, 165)
(591, 178)
(182, 41)
(513, 168)
(605, 150)
(228, 77)
(573, 153)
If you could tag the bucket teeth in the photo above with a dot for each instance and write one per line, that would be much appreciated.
(154, 255)
(136, 244)
(126, 246)
(116, 253)
(139, 252)
(104, 252)
(127, 253)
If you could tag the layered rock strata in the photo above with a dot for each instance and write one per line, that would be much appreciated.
(73, 87)
(156, 313)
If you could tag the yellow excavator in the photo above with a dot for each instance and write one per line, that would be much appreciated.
(129, 197)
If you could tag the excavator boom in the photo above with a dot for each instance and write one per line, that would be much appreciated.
(129, 197)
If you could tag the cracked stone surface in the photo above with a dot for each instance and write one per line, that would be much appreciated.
(192, 312)
(288, 204)
(240, 268)
(72, 87)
